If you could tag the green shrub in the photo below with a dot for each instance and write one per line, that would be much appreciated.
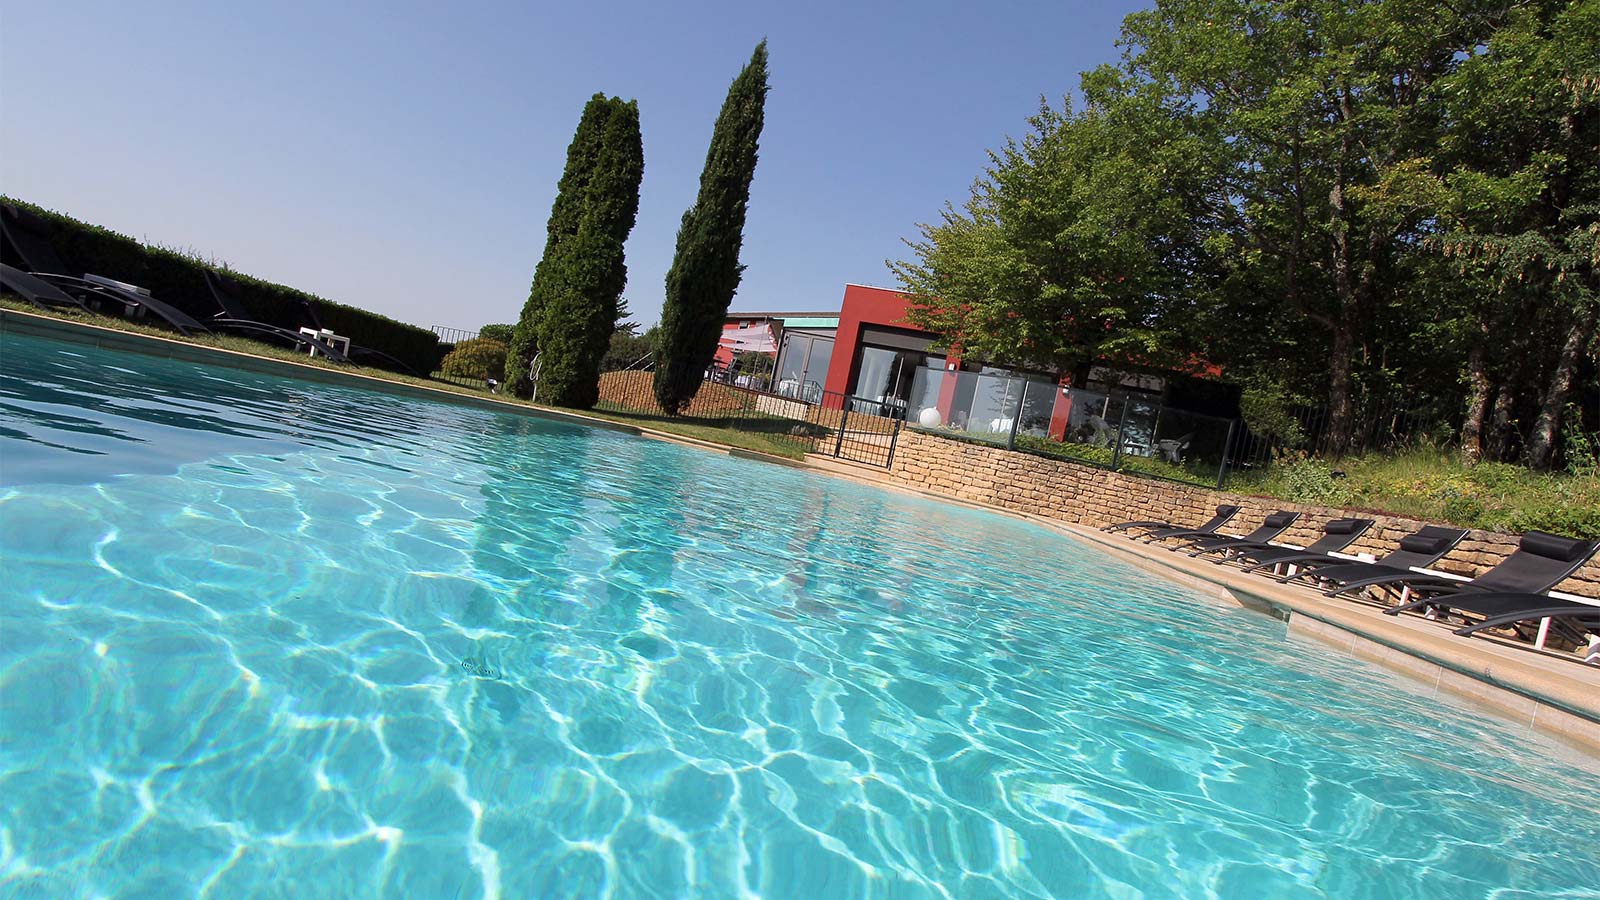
(1310, 480)
(477, 358)
(1580, 449)
(1461, 507)
(1098, 456)
(1268, 409)
(1432, 484)
(1497, 477)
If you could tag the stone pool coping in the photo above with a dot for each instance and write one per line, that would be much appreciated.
(1546, 692)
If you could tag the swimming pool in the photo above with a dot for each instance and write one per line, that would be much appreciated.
(264, 637)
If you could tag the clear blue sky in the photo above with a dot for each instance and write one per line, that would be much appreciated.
(403, 157)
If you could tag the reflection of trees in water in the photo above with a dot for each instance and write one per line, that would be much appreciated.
(836, 556)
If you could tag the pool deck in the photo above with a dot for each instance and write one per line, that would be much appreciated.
(1550, 692)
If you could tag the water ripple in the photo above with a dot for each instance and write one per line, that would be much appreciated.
(263, 638)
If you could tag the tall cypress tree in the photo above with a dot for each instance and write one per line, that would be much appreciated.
(566, 215)
(705, 269)
(589, 272)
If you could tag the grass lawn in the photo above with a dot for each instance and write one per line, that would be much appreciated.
(1432, 484)
(719, 431)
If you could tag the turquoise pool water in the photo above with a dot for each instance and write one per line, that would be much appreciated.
(269, 638)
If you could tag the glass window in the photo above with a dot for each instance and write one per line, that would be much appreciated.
(886, 378)
(1038, 407)
(995, 398)
(875, 374)
(792, 364)
(816, 371)
(927, 382)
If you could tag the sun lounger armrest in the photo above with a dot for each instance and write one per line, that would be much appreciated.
(1301, 560)
(1240, 547)
(1124, 526)
(1588, 615)
(1183, 533)
(1432, 584)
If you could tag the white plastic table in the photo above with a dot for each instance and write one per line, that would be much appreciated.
(337, 341)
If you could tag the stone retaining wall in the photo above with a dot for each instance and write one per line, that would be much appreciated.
(1086, 495)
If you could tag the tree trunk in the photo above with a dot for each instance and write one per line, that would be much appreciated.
(1542, 443)
(1502, 429)
(1479, 389)
(1341, 413)
(1347, 322)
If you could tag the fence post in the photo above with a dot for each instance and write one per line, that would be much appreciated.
(1016, 416)
(1227, 446)
(1122, 422)
(894, 439)
(844, 416)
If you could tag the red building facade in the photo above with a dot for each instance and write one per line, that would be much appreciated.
(881, 363)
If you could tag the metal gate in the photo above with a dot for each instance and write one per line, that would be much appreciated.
(858, 429)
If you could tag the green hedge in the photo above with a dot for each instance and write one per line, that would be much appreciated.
(179, 280)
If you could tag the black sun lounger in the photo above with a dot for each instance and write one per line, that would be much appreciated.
(1420, 549)
(234, 317)
(1540, 562)
(1224, 514)
(40, 293)
(27, 246)
(1271, 527)
(1337, 534)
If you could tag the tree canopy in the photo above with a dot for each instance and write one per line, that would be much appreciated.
(566, 216)
(587, 273)
(1340, 199)
(705, 266)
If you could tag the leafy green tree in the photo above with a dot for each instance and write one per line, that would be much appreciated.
(1331, 109)
(566, 215)
(1084, 240)
(501, 333)
(1518, 199)
(1271, 184)
(627, 348)
(705, 267)
(588, 273)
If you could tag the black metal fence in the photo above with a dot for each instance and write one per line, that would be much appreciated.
(1119, 431)
(1381, 425)
(837, 425)
(449, 335)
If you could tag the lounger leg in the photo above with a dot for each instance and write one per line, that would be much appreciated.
(1544, 632)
